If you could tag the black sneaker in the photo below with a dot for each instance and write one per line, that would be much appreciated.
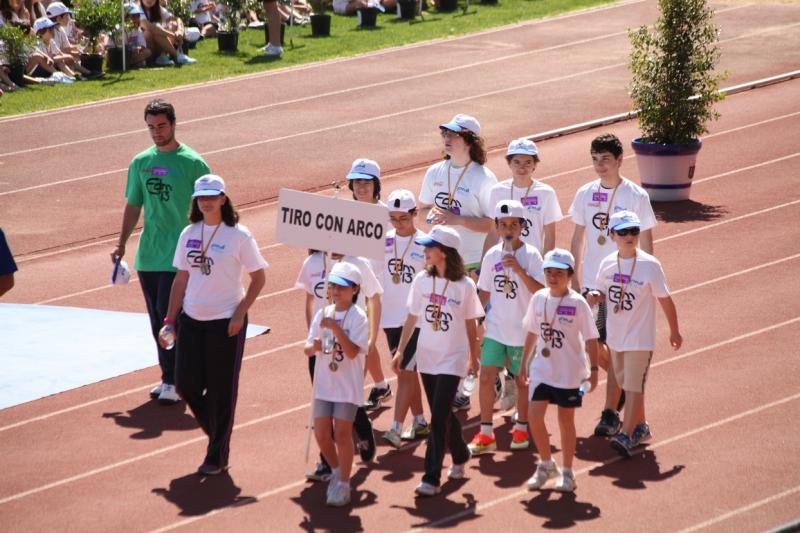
(321, 473)
(365, 439)
(376, 397)
(609, 424)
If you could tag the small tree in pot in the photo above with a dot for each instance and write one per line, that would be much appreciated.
(228, 34)
(320, 21)
(674, 86)
(16, 50)
(95, 18)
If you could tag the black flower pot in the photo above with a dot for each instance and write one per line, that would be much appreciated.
(408, 9)
(446, 6)
(320, 25)
(367, 17)
(17, 74)
(228, 41)
(283, 33)
(93, 62)
(489, 2)
(114, 59)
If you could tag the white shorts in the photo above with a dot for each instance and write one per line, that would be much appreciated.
(340, 6)
(630, 369)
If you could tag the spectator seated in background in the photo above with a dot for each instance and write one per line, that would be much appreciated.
(349, 7)
(204, 17)
(136, 41)
(61, 15)
(164, 34)
(47, 58)
(5, 82)
(13, 12)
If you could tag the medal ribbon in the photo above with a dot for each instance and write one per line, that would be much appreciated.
(398, 267)
(438, 298)
(452, 192)
(527, 191)
(204, 250)
(610, 203)
(550, 322)
(622, 279)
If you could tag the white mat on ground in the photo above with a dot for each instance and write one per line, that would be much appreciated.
(48, 349)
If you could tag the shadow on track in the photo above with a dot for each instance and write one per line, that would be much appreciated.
(197, 495)
(152, 420)
(634, 473)
(561, 510)
(687, 211)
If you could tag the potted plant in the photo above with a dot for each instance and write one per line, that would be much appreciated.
(320, 21)
(95, 17)
(407, 9)
(17, 47)
(228, 33)
(674, 87)
(114, 52)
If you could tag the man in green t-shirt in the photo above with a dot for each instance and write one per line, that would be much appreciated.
(160, 180)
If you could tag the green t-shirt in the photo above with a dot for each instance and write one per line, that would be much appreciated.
(162, 183)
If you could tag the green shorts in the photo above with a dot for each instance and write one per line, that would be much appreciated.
(494, 353)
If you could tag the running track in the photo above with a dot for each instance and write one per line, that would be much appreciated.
(723, 409)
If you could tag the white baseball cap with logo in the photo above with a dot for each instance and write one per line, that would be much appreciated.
(624, 220)
(56, 9)
(558, 258)
(441, 235)
(509, 208)
(344, 275)
(43, 23)
(364, 169)
(522, 147)
(462, 122)
(401, 201)
(209, 185)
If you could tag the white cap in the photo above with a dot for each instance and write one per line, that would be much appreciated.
(401, 201)
(133, 9)
(43, 23)
(364, 169)
(522, 147)
(442, 235)
(208, 185)
(461, 123)
(623, 220)
(192, 34)
(57, 8)
(344, 274)
(558, 258)
(509, 208)
(121, 274)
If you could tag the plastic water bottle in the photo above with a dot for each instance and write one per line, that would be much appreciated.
(468, 385)
(327, 341)
(508, 249)
(167, 335)
(584, 388)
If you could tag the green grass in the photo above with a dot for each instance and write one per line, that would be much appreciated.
(345, 40)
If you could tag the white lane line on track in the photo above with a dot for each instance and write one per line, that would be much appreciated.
(380, 117)
(659, 444)
(741, 510)
(287, 411)
(246, 77)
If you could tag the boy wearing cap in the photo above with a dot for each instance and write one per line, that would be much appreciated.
(339, 376)
(630, 281)
(511, 273)
(594, 203)
(46, 58)
(61, 15)
(137, 43)
(160, 181)
(560, 333)
(403, 260)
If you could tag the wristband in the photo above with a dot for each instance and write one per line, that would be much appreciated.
(593, 369)
(168, 321)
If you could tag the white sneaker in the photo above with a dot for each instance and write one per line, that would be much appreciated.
(156, 391)
(426, 489)
(168, 394)
(457, 471)
(543, 475)
(183, 59)
(509, 397)
(333, 482)
(566, 483)
(393, 438)
(340, 496)
(273, 51)
(163, 61)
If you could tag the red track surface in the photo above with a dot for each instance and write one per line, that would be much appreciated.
(724, 409)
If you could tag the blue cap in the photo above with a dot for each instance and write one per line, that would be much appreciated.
(624, 220)
(364, 169)
(344, 275)
(558, 258)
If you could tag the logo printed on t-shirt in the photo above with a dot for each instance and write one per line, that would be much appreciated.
(437, 299)
(159, 171)
(444, 317)
(218, 247)
(568, 310)
(500, 284)
(408, 273)
(615, 295)
(389, 241)
(157, 187)
(530, 200)
(621, 278)
(196, 259)
(600, 196)
(442, 203)
(194, 244)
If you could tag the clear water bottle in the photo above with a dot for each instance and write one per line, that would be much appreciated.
(327, 341)
(167, 336)
(584, 388)
(508, 249)
(468, 385)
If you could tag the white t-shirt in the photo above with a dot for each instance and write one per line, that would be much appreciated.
(445, 351)
(51, 50)
(587, 209)
(633, 327)
(395, 295)
(540, 203)
(506, 308)
(346, 383)
(205, 16)
(136, 38)
(470, 199)
(567, 365)
(61, 38)
(216, 295)
(312, 279)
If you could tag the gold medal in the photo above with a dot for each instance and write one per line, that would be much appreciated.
(601, 240)
(205, 268)
(395, 278)
(616, 308)
(436, 325)
(507, 288)
(545, 352)
(333, 366)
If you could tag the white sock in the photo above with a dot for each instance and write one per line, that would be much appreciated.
(397, 426)
(344, 484)
(419, 420)
(547, 464)
(521, 427)
(382, 385)
(335, 472)
(486, 429)
(567, 472)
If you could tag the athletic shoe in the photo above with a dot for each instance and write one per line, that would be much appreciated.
(426, 489)
(209, 469)
(508, 398)
(255, 25)
(322, 472)
(641, 434)
(333, 482)
(566, 483)
(168, 395)
(609, 424)
(376, 397)
(156, 391)
(365, 438)
(542, 475)
(163, 61)
(183, 59)
(459, 471)
(416, 431)
(393, 438)
(461, 403)
(482, 444)
(273, 51)
(519, 440)
(340, 496)
(622, 444)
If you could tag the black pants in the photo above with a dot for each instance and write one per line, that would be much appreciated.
(445, 426)
(156, 287)
(208, 359)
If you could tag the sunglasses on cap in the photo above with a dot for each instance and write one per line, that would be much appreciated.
(627, 231)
